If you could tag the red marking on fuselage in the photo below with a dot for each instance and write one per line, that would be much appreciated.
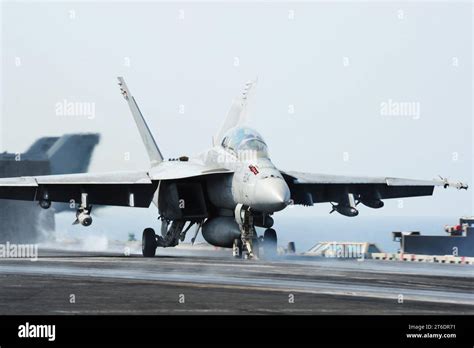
(253, 169)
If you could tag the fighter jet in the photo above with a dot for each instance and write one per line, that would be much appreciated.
(225, 191)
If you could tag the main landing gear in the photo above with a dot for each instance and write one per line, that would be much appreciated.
(149, 243)
(170, 236)
(270, 243)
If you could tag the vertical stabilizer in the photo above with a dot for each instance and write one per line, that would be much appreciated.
(238, 111)
(153, 151)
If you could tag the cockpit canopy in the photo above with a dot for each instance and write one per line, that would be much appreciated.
(244, 139)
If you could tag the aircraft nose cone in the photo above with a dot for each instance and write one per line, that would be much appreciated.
(271, 194)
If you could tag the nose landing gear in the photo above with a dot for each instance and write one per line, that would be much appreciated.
(248, 245)
(237, 248)
(244, 218)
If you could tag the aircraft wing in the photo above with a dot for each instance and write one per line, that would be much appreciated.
(119, 189)
(135, 189)
(309, 188)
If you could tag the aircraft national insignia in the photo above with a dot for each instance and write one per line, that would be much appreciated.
(253, 169)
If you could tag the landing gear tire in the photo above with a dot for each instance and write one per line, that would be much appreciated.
(149, 242)
(270, 242)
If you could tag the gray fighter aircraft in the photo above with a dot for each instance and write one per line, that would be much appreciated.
(225, 191)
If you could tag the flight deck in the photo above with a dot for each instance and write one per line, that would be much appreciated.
(183, 281)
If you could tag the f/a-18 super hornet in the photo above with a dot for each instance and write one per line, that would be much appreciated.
(226, 191)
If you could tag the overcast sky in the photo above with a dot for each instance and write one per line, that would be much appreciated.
(326, 74)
